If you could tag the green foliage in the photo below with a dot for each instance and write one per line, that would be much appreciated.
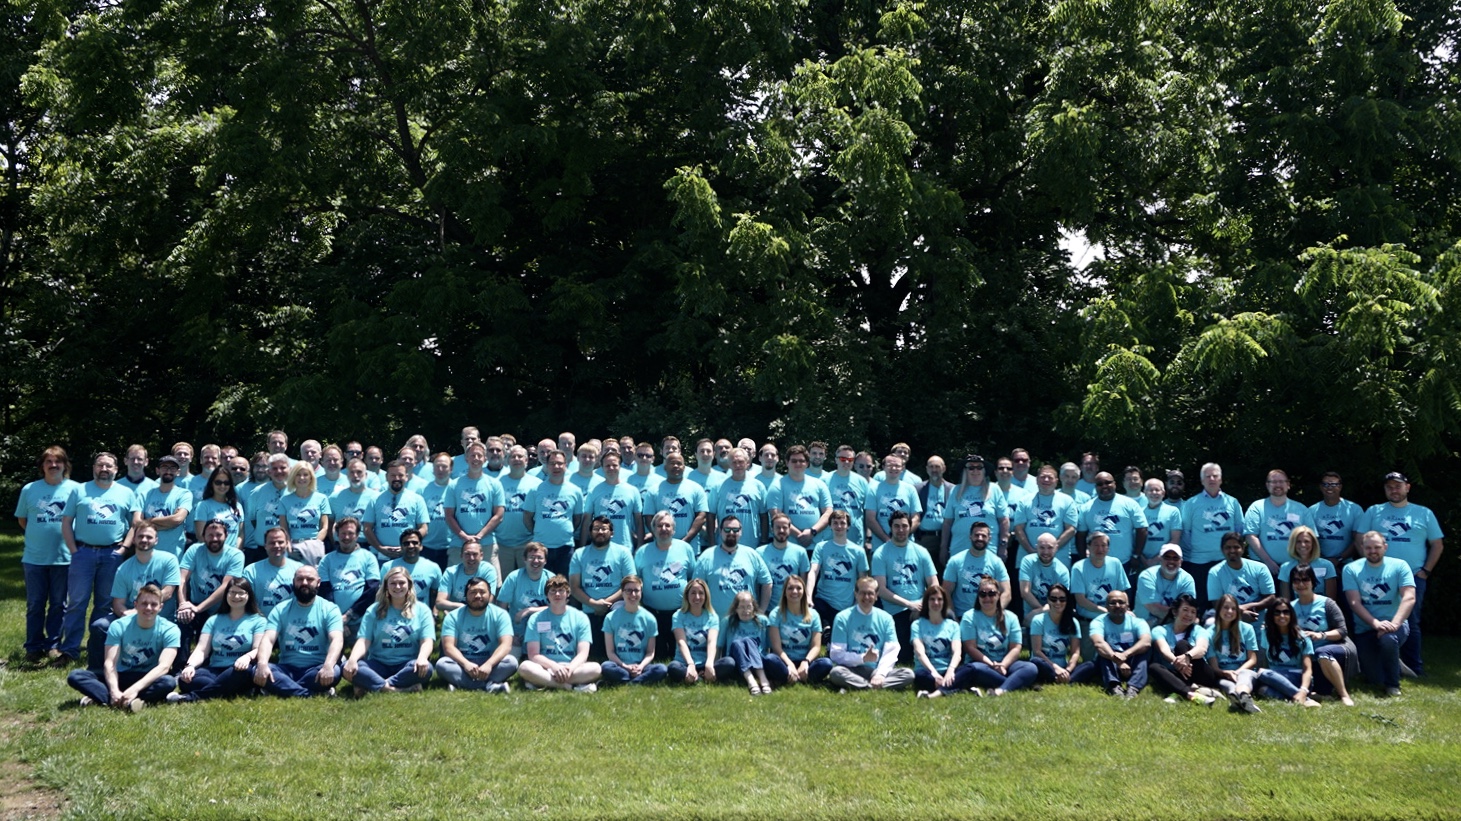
(780, 219)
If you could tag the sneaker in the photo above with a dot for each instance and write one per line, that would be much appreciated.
(1249, 707)
(137, 705)
(330, 693)
(528, 685)
(1309, 702)
(1206, 701)
(922, 694)
(34, 657)
(1172, 699)
(452, 688)
(174, 698)
(86, 701)
(53, 654)
(1392, 691)
(976, 691)
(63, 660)
(1131, 693)
(586, 688)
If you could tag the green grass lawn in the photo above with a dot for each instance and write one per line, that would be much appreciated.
(716, 752)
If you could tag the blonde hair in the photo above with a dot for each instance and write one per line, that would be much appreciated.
(383, 594)
(308, 471)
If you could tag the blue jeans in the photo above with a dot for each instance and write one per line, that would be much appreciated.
(295, 681)
(1111, 673)
(216, 683)
(1380, 655)
(1410, 650)
(1280, 683)
(678, 669)
(372, 676)
(90, 577)
(45, 605)
(96, 641)
(453, 674)
(615, 674)
(778, 674)
(978, 674)
(95, 686)
(1082, 674)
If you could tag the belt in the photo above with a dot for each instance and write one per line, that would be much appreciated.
(112, 546)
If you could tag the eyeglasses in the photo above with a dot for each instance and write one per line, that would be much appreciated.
(221, 483)
(1055, 598)
(730, 530)
(1331, 484)
(988, 594)
(1005, 467)
(844, 458)
(410, 544)
(644, 456)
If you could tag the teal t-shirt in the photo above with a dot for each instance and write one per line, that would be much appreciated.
(601, 571)
(476, 636)
(730, 573)
(138, 648)
(1096, 583)
(426, 576)
(621, 504)
(860, 632)
(1380, 588)
(396, 639)
(1054, 643)
(100, 517)
(938, 640)
(1042, 576)
(631, 633)
(557, 635)
(42, 506)
(206, 570)
(303, 514)
(782, 563)
(211, 510)
(454, 580)
(156, 503)
(665, 573)
(1230, 657)
(271, 584)
(796, 631)
(1286, 655)
(1124, 635)
(905, 568)
(1154, 588)
(838, 569)
(803, 501)
(969, 504)
(303, 633)
(697, 632)
(521, 591)
(132, 575)
(964, 572)
(982, 629)
(348, 574)
(230, 638)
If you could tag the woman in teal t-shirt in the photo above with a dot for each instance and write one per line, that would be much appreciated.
(395, 640)
(229, 642)
(696, 629)
(1232, 651)
(937, 650)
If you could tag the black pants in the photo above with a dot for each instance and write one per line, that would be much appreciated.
(1167, 680)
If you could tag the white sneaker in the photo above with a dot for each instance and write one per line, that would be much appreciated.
(174, 698)
(452, 688)
(86, 701)
(586, 688)
(1171, 700)
(137, 705)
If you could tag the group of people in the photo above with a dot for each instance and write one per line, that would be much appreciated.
(557, 567)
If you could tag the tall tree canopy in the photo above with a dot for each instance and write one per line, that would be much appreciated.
(835, 220)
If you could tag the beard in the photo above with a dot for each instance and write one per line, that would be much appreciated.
(305, 595)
